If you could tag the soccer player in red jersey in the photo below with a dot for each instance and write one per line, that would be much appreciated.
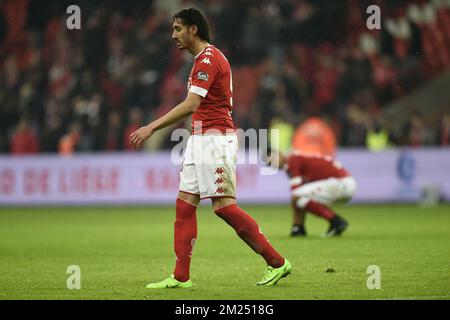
(208, 169)
(316, 182)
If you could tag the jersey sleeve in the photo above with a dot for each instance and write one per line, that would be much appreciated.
(203, 75)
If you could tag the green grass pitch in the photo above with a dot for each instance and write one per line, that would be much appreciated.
(120, 250)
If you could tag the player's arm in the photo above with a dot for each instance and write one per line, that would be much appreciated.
(181, 111)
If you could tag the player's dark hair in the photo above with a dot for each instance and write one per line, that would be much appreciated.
(192, 16)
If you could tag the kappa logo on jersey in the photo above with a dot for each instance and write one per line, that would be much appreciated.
(207, 53)
(202, 76)
(206, 61)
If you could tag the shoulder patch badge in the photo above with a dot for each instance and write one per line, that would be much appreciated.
(202, 76)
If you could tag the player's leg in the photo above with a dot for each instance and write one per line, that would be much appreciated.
(346, 188)
(339, 190)
(316, 197)
(185, 226)
(248, 230)
(185, 233)
(298, 223)
(218, 181)
(311, 197)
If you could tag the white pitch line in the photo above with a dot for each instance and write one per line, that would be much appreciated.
(415, 298)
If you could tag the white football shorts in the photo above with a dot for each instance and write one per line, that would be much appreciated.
(327, 191)
(209, 166)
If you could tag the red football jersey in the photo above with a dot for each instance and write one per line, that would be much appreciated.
(211, 78)
(303, 168)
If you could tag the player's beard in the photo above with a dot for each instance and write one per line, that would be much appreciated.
(183, 44)
(180, 44)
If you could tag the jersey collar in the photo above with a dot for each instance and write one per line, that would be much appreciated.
(198, 55)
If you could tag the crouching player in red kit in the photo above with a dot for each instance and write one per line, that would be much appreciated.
(316, 182)
(209, 101)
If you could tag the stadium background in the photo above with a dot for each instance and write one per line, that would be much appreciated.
(121, 69)
(376, 99)
(318, 75)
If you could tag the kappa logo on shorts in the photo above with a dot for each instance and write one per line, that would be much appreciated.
(220, 170)
(219, 181)
(202, 76)
(220, 190)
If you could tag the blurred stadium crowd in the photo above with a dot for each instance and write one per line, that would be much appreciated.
(86, 90)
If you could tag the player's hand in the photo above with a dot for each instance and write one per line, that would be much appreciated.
(140, 135)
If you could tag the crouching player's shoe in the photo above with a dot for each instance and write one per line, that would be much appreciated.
(337, 226)
(298, 231)
(170, 283)
(272, 275)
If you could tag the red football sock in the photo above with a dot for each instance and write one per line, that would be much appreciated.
(248, 230)
(320, 210)
(185, 233)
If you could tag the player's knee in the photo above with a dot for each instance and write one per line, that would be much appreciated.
(225, 216)
(302, 201)
(221, 216)
(219, 203)
(351, 187)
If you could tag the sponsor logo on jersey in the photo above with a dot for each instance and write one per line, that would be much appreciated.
(206, 61)
(207, 53)
(202, 76)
